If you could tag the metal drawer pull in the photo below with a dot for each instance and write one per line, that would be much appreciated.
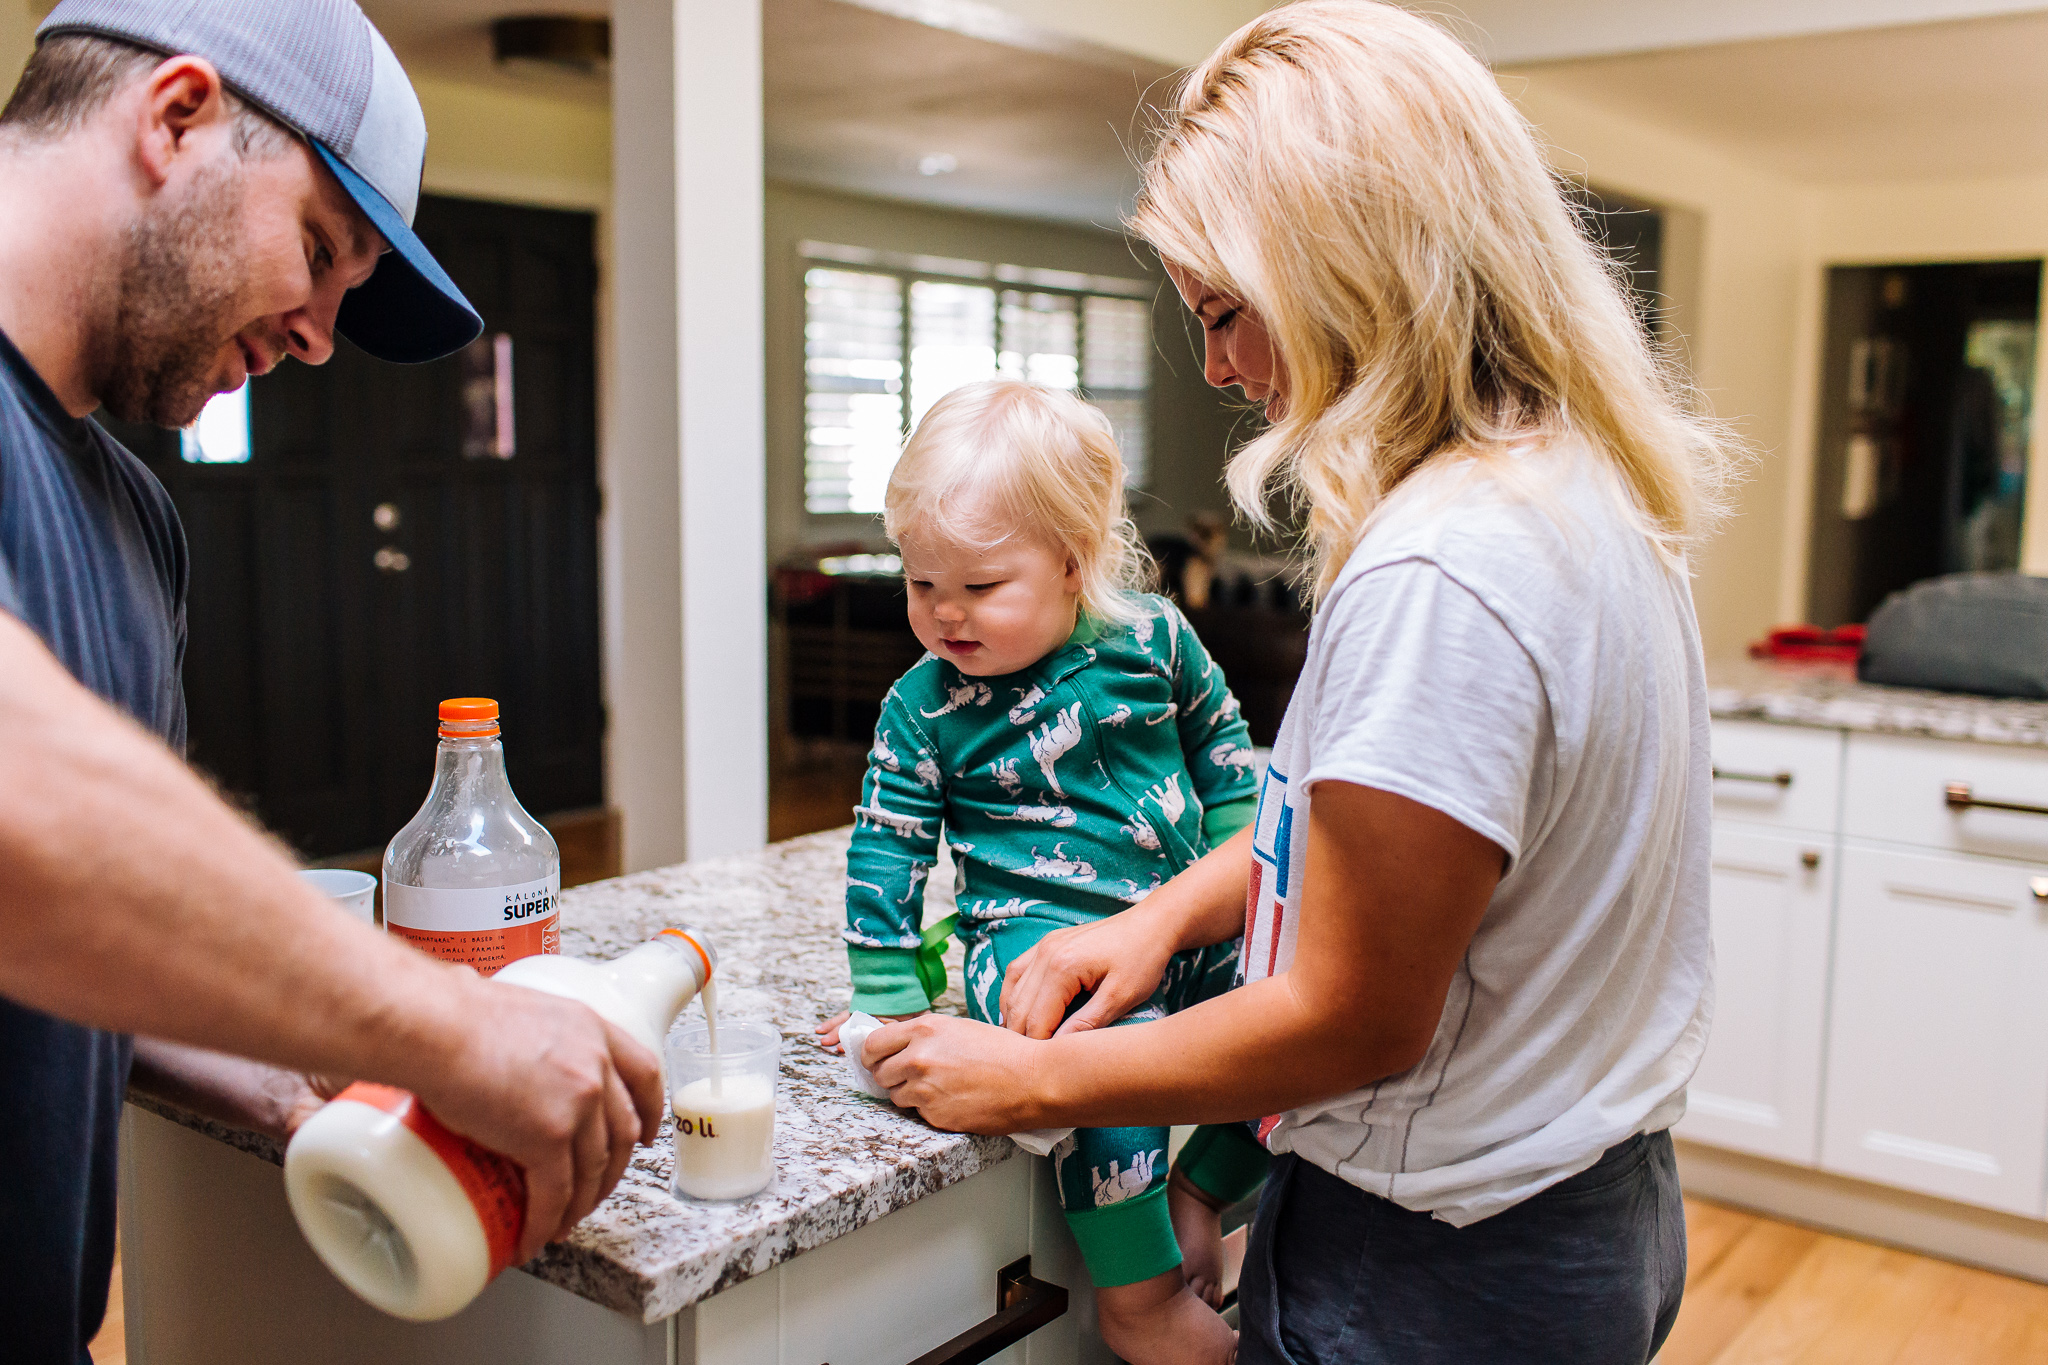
(1809, 858)
(1023, 1305)
(1958, 797)
(1730, 775)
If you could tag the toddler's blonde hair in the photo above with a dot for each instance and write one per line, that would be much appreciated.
(1003, 457)
(1356, 177)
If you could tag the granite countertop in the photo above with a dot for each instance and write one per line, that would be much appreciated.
(1827, 696)
(842, 1160)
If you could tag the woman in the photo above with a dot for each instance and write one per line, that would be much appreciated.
(1476, 957)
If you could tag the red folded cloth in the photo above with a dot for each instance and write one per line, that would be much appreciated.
(1843, 643)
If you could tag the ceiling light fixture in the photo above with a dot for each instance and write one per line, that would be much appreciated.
(580, 43)
(938, 163)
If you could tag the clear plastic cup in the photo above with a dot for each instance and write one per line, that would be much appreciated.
(355, 892)
(724, 1105)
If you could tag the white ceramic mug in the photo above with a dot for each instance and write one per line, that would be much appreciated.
(355, 892)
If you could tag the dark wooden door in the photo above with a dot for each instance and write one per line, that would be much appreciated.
(380, 550)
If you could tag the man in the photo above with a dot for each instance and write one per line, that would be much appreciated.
(194, 192)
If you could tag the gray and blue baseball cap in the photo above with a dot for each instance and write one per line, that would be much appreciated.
(321, 68)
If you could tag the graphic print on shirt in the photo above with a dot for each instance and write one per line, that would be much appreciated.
(1118, 716)
(1026, 709)
(1269, 918)
(968, 693)
(1059, 817)
(1054, 743)
(1004, 770)
(1141, 832)
(1233, 756)
(1059, 867)
(1118, 1186)
(1167, 796)
(882, 755)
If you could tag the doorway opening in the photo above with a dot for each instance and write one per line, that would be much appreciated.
(1926, 391)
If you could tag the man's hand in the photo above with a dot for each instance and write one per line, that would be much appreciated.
(1121, 959)
(546, 1082)
(960, 1075)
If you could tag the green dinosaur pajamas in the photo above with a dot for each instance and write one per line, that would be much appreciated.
(1067, 792)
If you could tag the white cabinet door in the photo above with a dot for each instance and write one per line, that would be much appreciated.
(1938, 1037)
(1758, 1087)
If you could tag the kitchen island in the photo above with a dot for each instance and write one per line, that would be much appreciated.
(880, 1239)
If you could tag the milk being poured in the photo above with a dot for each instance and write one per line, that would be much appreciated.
(417, 1219)
(725, 1111)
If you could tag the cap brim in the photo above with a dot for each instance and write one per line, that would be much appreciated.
(408, 311)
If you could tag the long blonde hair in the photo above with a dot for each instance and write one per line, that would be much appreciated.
(1352, 174)
(1002, 457)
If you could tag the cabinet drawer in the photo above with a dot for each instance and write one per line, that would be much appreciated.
(1898, 791)
(1937, 1071)
(1781, 775)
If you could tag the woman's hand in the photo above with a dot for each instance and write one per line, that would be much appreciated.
(962, 1076)
(1121, 959)
(828, 1032)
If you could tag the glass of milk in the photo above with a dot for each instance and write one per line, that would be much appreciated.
(722, 1088)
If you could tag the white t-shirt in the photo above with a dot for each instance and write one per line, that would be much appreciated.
(1528, 665)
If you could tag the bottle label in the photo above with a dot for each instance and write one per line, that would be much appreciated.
(496, 1185)
(484, 928)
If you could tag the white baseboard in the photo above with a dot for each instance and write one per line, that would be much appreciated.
(1875, 1213)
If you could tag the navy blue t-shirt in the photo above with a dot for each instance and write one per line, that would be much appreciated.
(93, 560)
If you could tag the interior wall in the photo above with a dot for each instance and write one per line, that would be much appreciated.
(1191, 423)
(1744, 303)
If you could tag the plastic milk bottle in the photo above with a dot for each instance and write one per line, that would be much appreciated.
(417, 1220)
(473, 878)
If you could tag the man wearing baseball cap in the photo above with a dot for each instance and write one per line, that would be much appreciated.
(195, 191)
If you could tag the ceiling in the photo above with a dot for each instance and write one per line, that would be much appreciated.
(1934, 101)
(858, 97)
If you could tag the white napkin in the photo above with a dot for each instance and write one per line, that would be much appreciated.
(853, 1036)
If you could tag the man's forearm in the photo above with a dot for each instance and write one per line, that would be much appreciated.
(133, 899)
(234, 1090)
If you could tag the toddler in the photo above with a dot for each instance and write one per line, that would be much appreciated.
(1078, 748)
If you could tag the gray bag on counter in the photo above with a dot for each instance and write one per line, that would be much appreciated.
(1967, 632)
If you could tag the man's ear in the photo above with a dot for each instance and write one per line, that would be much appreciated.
(181, 97)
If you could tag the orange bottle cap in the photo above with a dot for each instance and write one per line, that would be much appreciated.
(469, 718)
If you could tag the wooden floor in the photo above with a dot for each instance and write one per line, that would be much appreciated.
(1758, 1292)
(1761, 1291)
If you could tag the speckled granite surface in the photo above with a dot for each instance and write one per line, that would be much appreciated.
(842, 1160)
(1828, 696)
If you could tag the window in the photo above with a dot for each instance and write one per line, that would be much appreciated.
(886, 340)
(221, 433)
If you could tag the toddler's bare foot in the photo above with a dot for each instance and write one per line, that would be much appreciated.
(1160, 1322)
(1198, 1227)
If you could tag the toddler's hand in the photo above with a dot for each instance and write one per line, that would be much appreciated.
(828, 1032)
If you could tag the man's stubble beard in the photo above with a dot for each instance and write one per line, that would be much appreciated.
(175, 302)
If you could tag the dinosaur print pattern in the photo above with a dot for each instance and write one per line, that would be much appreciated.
(1141, 831)
(1118, 717)
(1059, 866)
(1059, 817)
(1026, 709)
(1228, 755)
(1167, 796)
(1054, 742)
(968, 693)
(1119, 1186)
(1005, 773)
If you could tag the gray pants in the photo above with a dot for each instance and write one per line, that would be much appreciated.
(1589, 1272)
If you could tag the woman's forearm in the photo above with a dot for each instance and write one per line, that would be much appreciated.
(1204, 905)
